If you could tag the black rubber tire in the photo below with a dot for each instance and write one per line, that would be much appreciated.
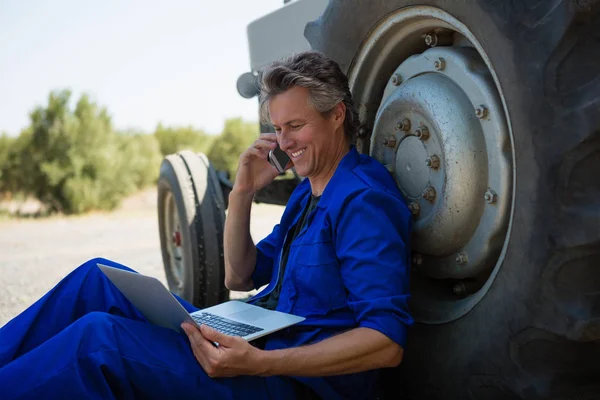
(536, 333)
(195, 187)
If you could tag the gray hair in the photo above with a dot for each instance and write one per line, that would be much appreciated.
(324, 79)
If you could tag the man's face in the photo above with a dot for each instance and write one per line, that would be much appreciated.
(312, 141)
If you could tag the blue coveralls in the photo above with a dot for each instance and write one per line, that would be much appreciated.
(84, 340)
(347, 268)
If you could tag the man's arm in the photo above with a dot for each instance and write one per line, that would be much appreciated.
(375, 274)
(357, 350)
(239, 249)
(254, 173)
(374, 267)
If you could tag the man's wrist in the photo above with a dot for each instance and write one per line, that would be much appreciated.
(267, 362)
(241, 195)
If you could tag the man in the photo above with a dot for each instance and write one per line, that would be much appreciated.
(338, 257)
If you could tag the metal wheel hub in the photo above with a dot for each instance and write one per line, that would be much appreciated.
(444, 157)
(442, 129)
(174, 246)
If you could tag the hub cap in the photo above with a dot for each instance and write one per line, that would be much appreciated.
(454, 216)
(174, 246)
(442, 130)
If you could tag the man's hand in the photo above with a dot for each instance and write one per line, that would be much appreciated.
(254, 171)
(234, 356)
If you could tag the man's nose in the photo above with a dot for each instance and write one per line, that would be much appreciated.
(285, 141)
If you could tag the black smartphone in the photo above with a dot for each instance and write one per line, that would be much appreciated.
(278, 158)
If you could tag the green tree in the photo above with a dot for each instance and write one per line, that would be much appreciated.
(236, 137)
(15, 170)
(174, 139)
(141, 155)
(73, 161)
(5, 146)
(5, 143)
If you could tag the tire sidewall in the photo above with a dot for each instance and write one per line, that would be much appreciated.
(475, 351)
(168, 183)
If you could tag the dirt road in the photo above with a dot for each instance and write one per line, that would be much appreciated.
(36, 254)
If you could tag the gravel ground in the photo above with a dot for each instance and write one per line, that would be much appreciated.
(36, 254)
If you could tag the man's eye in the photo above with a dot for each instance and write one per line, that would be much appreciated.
(295, 126)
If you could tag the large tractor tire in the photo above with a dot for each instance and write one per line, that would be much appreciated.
(191, 218)
(503, 184)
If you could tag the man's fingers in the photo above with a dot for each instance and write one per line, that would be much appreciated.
(211, 334)
(265, 144)
(205, 334)
(258, 153)
(187, 328)
(200, 346)
(215, 336)
(270, 136)
(192, 332)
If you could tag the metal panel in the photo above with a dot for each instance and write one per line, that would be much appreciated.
(281, 32)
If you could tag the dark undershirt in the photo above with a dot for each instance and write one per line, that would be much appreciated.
(270, 301)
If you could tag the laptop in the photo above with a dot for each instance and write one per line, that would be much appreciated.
(161, 308)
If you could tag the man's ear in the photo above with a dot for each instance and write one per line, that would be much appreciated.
(338, 114)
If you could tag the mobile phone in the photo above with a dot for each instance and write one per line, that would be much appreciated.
(278, 158)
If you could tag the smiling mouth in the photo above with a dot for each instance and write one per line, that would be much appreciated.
(298, 153)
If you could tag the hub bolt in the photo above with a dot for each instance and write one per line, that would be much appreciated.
(431, 39)
(417, 259)
(414, 208)
(465, 288)
(433, 162)
(396, 80)
(481, 112)
(422, 132)
(429, 194)
(177, 238)
(403, 125)
(391, 142)
(490, 196)
(461, 258)
(439, 64)
(459, 289)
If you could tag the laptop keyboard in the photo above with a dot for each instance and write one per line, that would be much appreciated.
(224, 325)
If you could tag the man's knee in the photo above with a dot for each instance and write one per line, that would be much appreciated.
(93, 264)
(91, 339)
(94, 321)
(92, 332)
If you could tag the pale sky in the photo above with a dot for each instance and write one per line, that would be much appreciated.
(146, 61)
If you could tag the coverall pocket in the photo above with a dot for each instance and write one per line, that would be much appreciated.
(318, 279)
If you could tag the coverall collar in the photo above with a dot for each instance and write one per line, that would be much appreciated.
(347, 163)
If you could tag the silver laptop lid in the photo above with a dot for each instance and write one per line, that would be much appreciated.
(161, 308)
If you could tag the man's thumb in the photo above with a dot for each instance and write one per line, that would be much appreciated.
(214, 335)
